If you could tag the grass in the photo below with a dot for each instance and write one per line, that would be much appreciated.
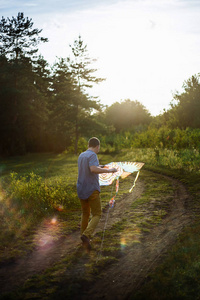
(32, 187)
(176, 278)
(37, 187)
(68, 276)
(47, 165)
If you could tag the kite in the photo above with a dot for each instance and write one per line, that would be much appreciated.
(124, 169)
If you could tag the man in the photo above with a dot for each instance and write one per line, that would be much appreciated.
(88, 189)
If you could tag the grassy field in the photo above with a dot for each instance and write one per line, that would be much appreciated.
(35, 187)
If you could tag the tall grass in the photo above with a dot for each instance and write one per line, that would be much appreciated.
(162, 138)
(184, 159)
(35, 188)
(33, 193)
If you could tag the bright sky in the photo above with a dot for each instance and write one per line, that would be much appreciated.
(145, 48)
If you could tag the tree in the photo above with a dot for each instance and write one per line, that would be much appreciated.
(83, 79)
(21, 97)
(17, 38)
(186, 111)
(61, 107)
(126, 115)
(37, 133)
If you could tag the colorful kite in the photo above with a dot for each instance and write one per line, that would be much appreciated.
(124, 169)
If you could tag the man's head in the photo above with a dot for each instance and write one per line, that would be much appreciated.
(94, 143)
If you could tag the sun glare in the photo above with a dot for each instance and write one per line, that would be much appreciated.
(144, 49)
(133, 48)
(53, 221)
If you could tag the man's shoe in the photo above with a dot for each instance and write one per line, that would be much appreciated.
(86, 242)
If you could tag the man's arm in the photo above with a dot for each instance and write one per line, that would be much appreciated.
(98, 170)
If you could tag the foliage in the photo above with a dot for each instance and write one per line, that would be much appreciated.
(34, 195)
(23, 90)
(82, 104)
(184, 160)
(165, 137)
(17, 37)
(42, 110)
(163, 140)
(61, 106)
(80, 65)
(185, 107)
(47, 108)
(116, 142)
(126, 115)
(23, 107)
(187, 110)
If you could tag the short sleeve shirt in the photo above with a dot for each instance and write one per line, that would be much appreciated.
(87, 182)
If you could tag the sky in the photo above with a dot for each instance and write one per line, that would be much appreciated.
(145, 49)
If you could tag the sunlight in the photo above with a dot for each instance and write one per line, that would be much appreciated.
(54, 221)
(145, 49)
(133, 48)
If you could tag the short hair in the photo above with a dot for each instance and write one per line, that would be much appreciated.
(93, 142)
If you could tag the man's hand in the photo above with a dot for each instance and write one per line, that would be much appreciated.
(113, 170)
(98, 170)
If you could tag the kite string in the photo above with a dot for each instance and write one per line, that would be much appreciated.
(111, 204)
(105, 225)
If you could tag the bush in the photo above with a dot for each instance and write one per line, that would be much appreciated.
(167, 138)
(33, 194)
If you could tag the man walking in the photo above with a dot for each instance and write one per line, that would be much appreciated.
(88, 189)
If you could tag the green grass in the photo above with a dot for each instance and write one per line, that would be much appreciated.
(77, 269)
(36, 187)
(47, 165)
(32, 188)
(176, 278)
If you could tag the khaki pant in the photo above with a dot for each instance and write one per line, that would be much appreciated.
(93, 205)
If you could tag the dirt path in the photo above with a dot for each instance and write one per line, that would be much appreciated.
(120, 280)
(125, 275)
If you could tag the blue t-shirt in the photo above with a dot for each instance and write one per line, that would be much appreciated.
(88, 182)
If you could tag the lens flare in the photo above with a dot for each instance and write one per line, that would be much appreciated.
(45, 240)
(123, 243)
(59, 207)
(54, 221)
(47, 233)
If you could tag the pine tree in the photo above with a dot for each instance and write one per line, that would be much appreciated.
(61, 105)
(18, 53)
(17, 38)
(82, 74)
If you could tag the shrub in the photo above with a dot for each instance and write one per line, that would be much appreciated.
(33, 194)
